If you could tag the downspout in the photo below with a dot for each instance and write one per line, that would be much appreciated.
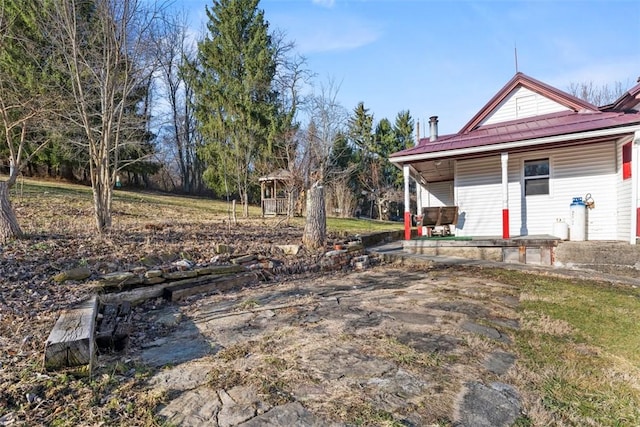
(635, 186)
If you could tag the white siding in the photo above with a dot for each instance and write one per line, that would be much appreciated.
(522, 102)
(574, 172)
(624, 199)
(478, 191)
(438, 194)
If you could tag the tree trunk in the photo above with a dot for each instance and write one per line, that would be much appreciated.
(9, 228)
(315, 228)
(102, 200)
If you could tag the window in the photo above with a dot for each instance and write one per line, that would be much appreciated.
(626, 161)
(536, 177)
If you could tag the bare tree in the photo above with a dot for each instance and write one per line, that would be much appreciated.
(291, 75)
(175, 50)
(24, 96)
(597, 95)
(328, 117)
(107, 51)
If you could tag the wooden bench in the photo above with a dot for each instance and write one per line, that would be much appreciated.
(442, 216)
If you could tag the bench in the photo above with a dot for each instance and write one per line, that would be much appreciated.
(442, 216)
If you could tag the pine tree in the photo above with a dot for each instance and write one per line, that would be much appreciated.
(235, 102)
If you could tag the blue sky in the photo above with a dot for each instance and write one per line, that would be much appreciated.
(448, 58)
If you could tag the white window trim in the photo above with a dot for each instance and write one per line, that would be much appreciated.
(523, 179)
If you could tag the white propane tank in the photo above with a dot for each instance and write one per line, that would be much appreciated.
(561, 229)
(578, 220)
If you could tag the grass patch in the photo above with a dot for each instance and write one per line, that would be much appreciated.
(150, 206)
(580, 347)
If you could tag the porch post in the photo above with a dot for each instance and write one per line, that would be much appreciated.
(504, 157)
(419, 205)
(407, 200)
(635, 186)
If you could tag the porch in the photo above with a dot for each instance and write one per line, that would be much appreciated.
(536, 250)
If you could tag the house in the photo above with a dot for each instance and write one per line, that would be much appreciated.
(516, 166)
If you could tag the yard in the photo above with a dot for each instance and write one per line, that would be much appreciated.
(386, 346)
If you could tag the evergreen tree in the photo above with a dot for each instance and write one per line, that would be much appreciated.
(235, 102)
(403, 128)
(25, 96)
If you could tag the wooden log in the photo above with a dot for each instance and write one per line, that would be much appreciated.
(71, 341)
(106, 326)
(176, 292)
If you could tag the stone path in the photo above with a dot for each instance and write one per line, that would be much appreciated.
(416, 347)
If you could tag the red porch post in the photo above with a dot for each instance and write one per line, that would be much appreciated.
(504, 157)
(407, 205)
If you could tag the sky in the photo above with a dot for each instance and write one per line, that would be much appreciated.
(448, 58)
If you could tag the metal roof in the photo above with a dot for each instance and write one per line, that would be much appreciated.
(562, 123)
(580, 118)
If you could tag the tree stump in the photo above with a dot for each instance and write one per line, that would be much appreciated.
(315, 227)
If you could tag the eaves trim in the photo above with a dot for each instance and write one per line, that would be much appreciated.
(515, 144)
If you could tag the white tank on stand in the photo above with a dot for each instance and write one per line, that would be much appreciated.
(578, 228)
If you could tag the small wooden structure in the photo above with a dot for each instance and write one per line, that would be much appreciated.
(277, 193)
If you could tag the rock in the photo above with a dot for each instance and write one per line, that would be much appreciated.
(120, 278)
(246, 259)
(237, 408)
(169, 319)
(183, 264)
(153, 273)
(290, 414)
(79, 273)
(499, 362)
(197, 407)
(289, 249)
(495, 405)
(486, 331)
(182, 274)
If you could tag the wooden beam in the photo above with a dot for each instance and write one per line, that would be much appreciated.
(176, 292)
(71, 341)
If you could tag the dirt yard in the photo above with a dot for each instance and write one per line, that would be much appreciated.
(381, 347)
(386, 346)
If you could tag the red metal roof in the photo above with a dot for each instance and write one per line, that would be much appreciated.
(562, 123)
(582, 117)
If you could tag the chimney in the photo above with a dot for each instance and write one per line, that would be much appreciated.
(433, 128)
(418, 133)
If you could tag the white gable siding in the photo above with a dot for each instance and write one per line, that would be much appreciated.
(478, 192)
(522, 102)
(624, 200)
(574, 172)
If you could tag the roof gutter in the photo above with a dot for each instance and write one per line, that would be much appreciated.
(506, 146)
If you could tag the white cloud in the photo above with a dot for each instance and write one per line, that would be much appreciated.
(336, 37)
(324, 3)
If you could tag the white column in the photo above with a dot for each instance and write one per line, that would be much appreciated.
(504, 157)
(635, 187)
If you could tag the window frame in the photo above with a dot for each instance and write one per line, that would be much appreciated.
(526, 178)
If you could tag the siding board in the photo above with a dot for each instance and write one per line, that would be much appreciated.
(523, 102)
(479, 192)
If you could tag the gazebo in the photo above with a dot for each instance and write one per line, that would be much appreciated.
(277, 193)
